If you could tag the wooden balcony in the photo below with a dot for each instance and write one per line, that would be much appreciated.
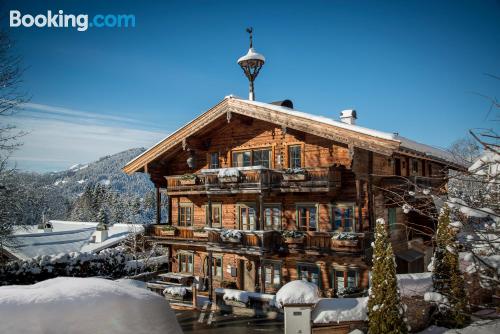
(322, 242)
(255, 180)
(179, 235)
(251, 242)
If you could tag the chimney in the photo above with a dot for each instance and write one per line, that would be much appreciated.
(348, 116)
(101, 232)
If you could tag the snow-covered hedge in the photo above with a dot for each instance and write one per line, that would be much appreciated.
(113, 263)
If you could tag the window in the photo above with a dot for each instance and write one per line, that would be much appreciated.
(415, 166)
(185, 214)
(307, 217)
(216, 215)
(262, 158)
(272, 275)
(344, 279)
(308, 272)
(247, 217)
(343, 217)
(295, 156)
(430, 169)
(397, 167)
(185, 262)
(391, 215)
(217, 267)
(214, 160)
(242, 159)
(272, 217)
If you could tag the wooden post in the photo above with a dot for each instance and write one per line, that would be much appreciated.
(260, 216)
(209, 208)
(169, 215)
(158, 205)
(194, 292)
(262, 277)
(359, 203)
(210, 277)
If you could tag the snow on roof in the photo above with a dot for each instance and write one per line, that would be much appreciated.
(430, 151)
(84, 305)
(414, 284)
(297, 292)
(335, 310)
(405, 142)
(66, 237)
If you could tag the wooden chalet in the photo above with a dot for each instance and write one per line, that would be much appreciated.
(241, 177)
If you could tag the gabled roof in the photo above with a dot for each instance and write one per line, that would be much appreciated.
(66, 237)
(353, 135)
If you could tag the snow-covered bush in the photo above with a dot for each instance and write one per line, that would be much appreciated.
(113, 262)
(235, 295)
(174, 290)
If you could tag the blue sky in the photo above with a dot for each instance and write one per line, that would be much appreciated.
(411, 67)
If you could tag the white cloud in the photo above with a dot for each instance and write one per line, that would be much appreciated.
(61, 137)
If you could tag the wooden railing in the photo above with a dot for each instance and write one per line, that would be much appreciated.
(266, 240)
(409, 183)
(183, 233)
(315, 179)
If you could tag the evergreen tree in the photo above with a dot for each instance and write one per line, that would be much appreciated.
(447, 278)
(386, 313)
(102, 217)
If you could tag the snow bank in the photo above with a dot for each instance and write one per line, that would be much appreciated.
(414, 284)
(330, 310)
(435, 297)
(237, 295)
(297, 292)
(84, 305)
(175, 290)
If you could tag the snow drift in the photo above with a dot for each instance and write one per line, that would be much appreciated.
(84, 305)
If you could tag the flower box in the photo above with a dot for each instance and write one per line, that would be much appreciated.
(231, 240)
(166, 233)
(344, 243)
(203, 234)
(228, 179)
(294, 177)
(292, 241)
(188, 182)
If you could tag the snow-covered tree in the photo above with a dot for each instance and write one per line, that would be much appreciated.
(386, 313)
(447, 279)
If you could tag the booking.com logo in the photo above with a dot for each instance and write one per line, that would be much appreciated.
(80, 22)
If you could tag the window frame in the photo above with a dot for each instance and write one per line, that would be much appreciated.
(217, 205)
(189, 255)
(415, 166)
(252, 151)
(272, 227)
(345, 277)
(247, 206)
(211, 160)
(272, 265)
(289, 155)
(298, 216)
(184, 206)
(214, 268)
(309, 265)
(341, 228)
(392, 212)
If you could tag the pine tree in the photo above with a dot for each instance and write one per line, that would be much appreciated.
(386, 313)
(102, 217)
(447, 278)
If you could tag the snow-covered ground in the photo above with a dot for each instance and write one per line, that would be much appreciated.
(479, 327)
(84, 305)
(334, 310)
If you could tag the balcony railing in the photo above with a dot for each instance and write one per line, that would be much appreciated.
(178, 233)
(264, 240)
(410, 183)
(250, 179)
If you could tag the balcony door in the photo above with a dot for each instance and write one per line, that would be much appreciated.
(247, 217)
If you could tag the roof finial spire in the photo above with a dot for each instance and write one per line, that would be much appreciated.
(251, 63)
(250, 31)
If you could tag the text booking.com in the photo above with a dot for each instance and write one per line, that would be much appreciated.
(61, 20)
